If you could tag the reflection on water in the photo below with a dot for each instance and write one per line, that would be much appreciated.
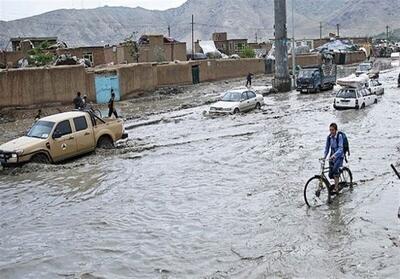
(219, 197)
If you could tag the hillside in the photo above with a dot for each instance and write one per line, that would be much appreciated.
(240, 18)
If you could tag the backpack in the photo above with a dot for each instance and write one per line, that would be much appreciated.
(346, 146)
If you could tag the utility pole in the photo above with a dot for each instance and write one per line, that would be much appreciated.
(282, 78)
(338, 29)
(293, 49)
(320, 30)
(256, 38)
(387, 33)
(169, 31)
(193, 46)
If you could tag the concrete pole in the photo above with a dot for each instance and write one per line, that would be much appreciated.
(282, 79)
(193, 45)
(293, 49)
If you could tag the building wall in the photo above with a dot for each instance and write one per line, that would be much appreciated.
(355, 57)
(35, 86)
(175, 51)
(306, 59)
(110, 55)
(97, 52)
(137, 78)
(177, 74)
(39, 86)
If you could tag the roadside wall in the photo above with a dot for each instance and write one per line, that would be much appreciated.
(355, 57)
(174, 74)
(38, 86)
(306, 60)
(137, 78)
(25, 87)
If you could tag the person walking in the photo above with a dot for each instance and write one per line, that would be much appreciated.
(78, 102)
(249, 79)
(111, 105)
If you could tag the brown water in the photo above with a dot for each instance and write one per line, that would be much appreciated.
(198, 197)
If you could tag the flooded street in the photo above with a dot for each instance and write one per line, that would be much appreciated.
(191, 196)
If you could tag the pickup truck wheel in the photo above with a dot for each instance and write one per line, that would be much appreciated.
(258, 106)
(105, 142)
(236, 111)
(363, 106)
(40, 158)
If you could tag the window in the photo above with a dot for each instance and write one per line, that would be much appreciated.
(251, 95)
(80, 123)
(244, 96)
(88, 56)
(346, 94)
(63, 128)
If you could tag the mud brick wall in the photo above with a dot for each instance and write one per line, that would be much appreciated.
(355, 57)
(137, 78)
(174, 74)
(211, 70)
(35, 86)
(306, 60)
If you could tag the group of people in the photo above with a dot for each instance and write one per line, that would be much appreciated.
(82, 103)
(79, 102)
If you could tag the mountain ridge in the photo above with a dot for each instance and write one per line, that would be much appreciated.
(240, 18)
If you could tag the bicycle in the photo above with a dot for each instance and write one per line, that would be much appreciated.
(318, 190)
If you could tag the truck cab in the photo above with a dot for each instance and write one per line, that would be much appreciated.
(62, 136)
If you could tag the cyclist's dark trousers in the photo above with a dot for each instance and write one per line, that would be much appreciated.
(334, 168)
(111, 112)
(248, 83)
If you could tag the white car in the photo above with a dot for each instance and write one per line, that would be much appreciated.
(236, 101)
(354, 98)
(376, 87)
(364, 68)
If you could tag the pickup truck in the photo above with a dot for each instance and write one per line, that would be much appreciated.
(316, 78)
(62, 136)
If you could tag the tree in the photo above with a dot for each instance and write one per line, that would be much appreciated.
(132, 46)
(248, 52)
(41, 56)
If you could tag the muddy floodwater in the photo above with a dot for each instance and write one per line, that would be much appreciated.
(192, 196)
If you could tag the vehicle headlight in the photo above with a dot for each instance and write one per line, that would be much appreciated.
(212, 108)
(19, 152)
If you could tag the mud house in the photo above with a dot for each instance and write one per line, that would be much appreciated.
(95, 54)
(150, 48)
(225, 45)
(35, 41)
(20, 48)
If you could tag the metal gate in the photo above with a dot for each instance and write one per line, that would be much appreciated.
(104, 83)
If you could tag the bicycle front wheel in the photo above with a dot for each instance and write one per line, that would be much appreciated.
(316, 192)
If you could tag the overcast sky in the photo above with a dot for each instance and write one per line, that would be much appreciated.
(14, 9)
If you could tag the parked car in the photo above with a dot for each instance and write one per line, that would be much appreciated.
(364, 68)
(62, 136)
(316, 78)
(354, 98)
(236, 101)
(376, 87)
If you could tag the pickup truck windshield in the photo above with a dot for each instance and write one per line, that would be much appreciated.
(306, 73)
(346, 94)
(232, 97)
(41, 130)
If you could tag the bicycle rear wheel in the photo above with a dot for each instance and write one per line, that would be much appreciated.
(346, 178)
(316, 192)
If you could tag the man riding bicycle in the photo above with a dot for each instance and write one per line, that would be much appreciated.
(334, 148)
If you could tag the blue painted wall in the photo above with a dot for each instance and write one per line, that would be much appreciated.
(104, 84)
